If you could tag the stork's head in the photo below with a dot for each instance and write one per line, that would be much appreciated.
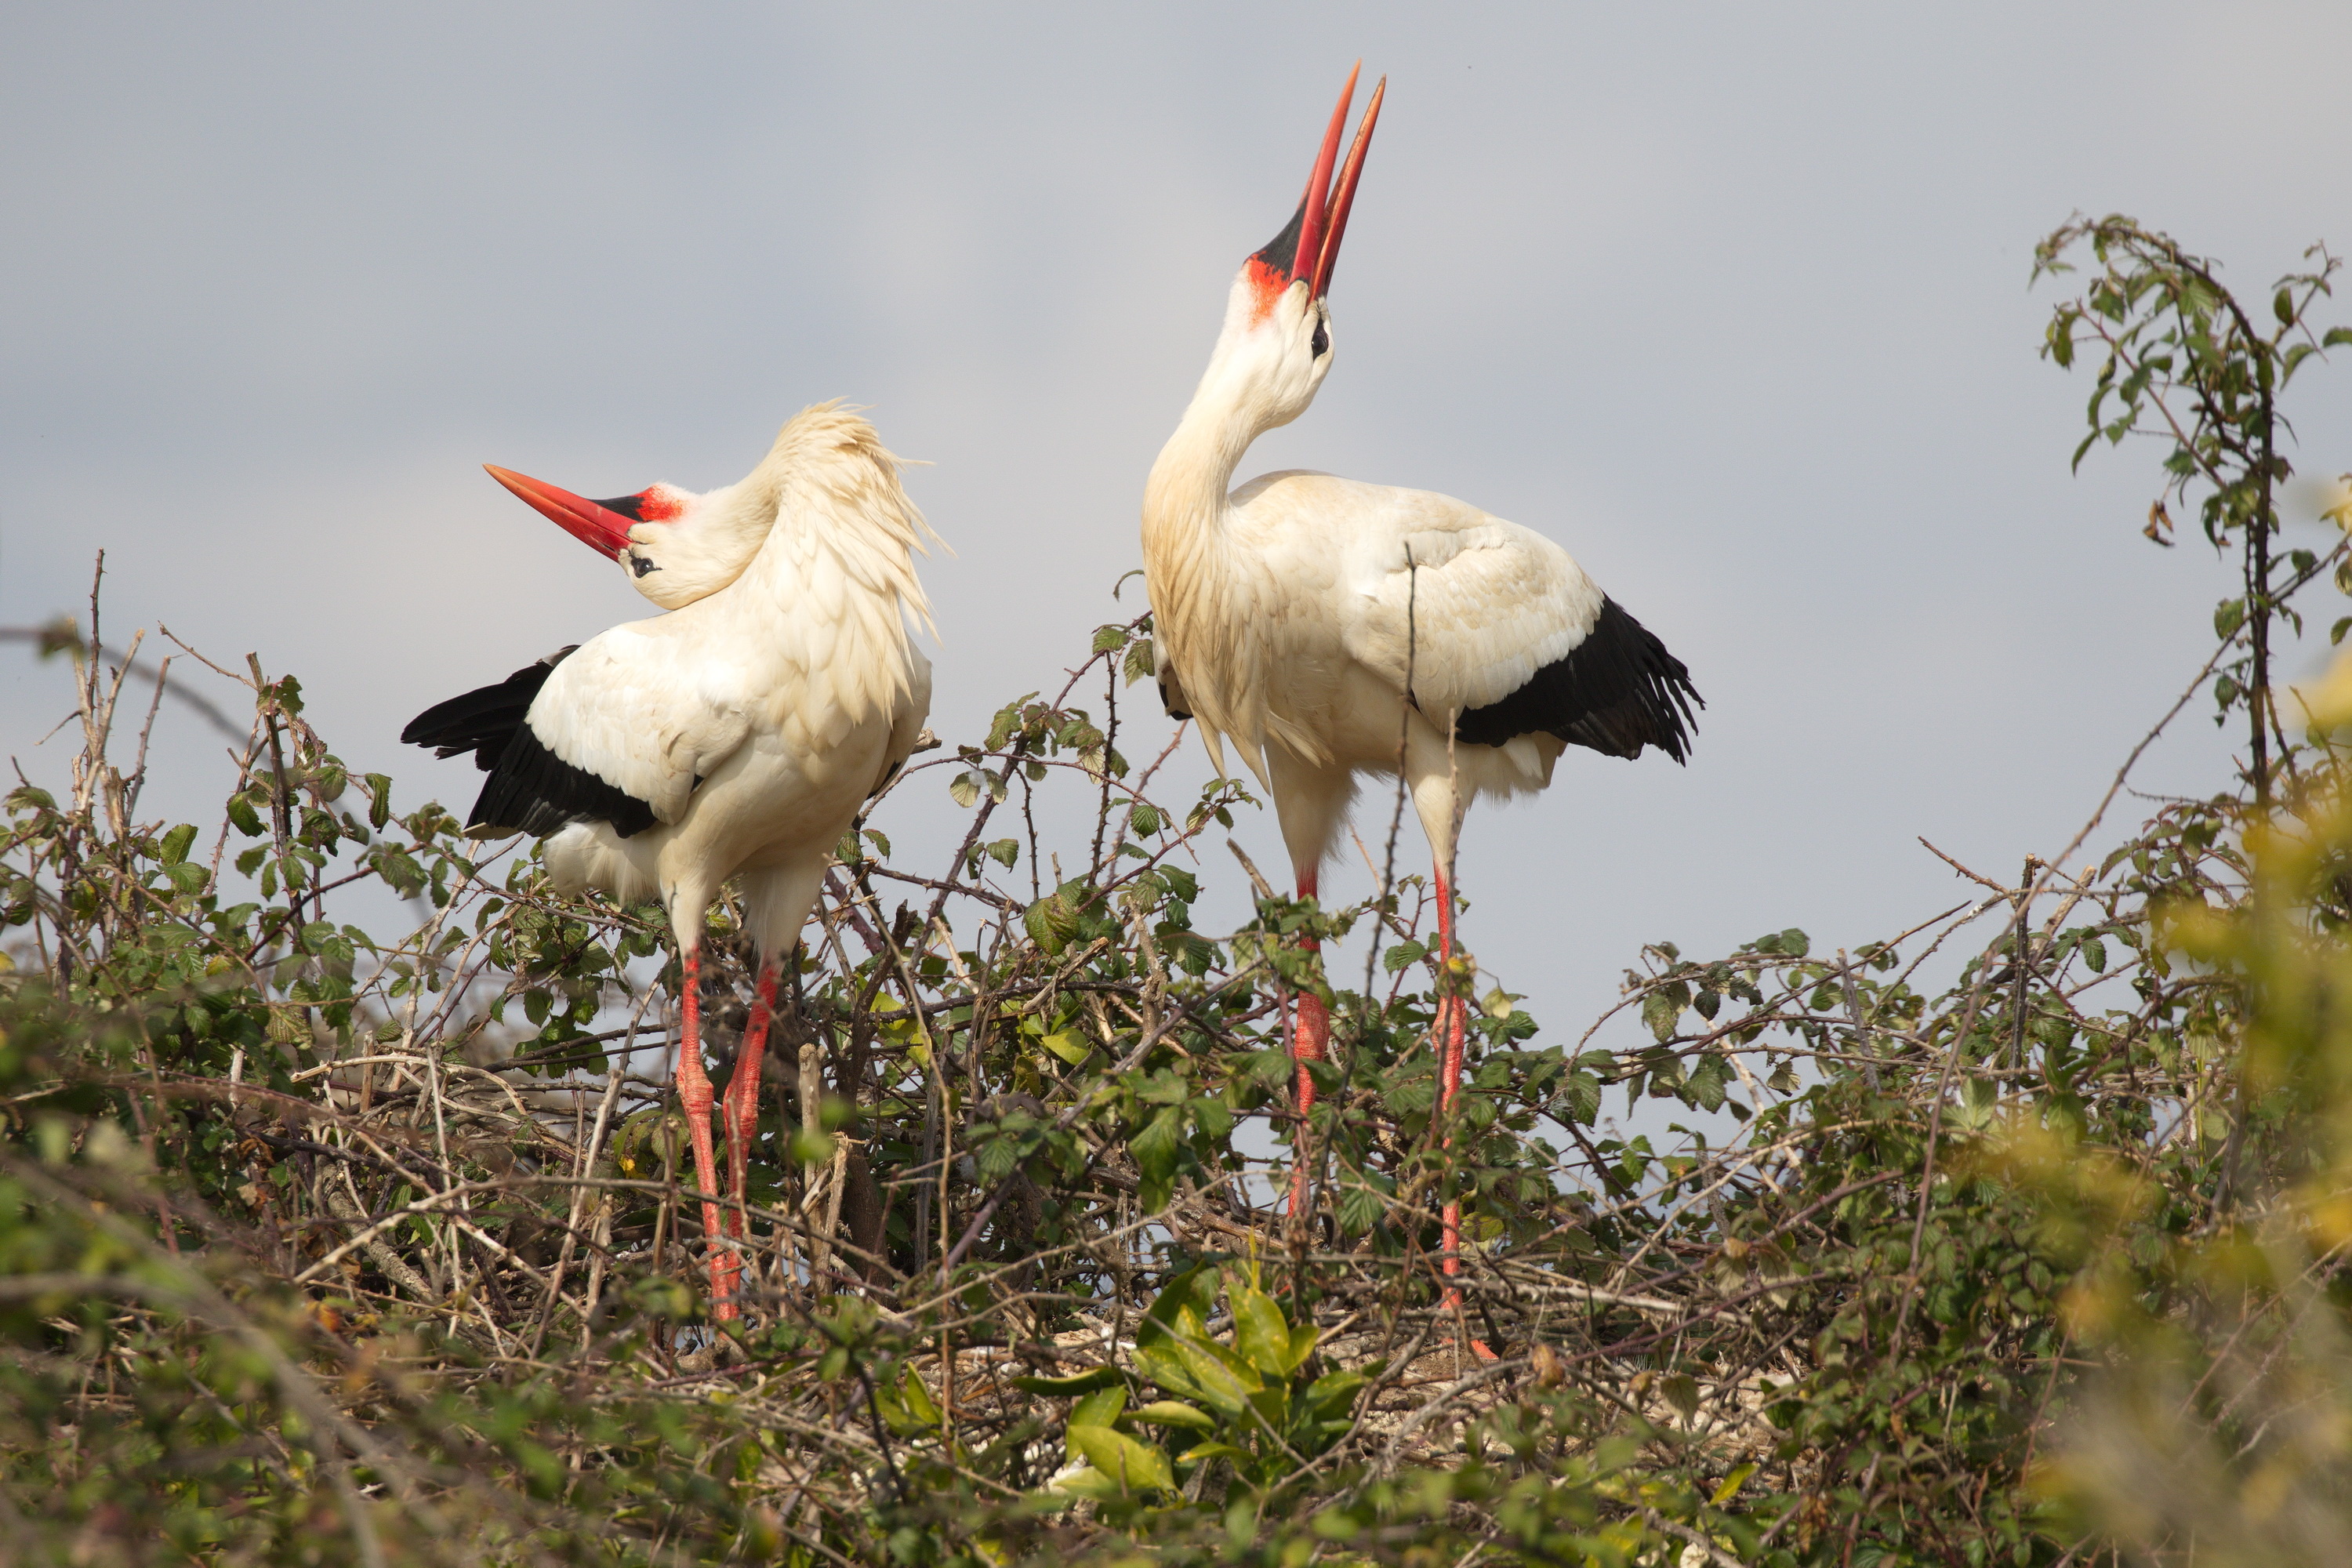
(677, 546)
(1276, 344)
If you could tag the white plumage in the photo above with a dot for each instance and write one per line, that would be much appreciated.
(736, 736)
(1326, 629)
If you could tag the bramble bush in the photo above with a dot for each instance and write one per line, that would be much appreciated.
(320, 1247)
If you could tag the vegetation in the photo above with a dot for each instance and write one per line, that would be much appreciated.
(316, 1246)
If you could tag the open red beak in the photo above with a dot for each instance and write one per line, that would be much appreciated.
(1325, 220)
(594, 523)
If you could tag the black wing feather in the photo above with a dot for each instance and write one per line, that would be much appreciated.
(530, 789)
(484, 720)
(1616, 691)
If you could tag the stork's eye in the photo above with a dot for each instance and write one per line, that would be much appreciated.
(640, 565)
(1322, 343)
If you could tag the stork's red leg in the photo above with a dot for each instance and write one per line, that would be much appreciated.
(743, 1105)
(1450, 1026)
(1448, 1032)
(694, 1094)
(1310, 1041)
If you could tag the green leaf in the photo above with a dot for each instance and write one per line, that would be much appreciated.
(177, 842)
(1101, 1407)
(1090, 1483)
(1402, 954)
(1109, 639)
(1662, 1009)
(1361, 1204)
(1181, 1306)
(1732, 1483)
(917, 1398)
(1261, 1333)
(1335, 1391)
(1076, 1383)
(1132, 1465)
(1069, 1046)
(1169, 1412)
(1193, 1368)
(1158, 1146)
(241, 813)
(1215, 1451)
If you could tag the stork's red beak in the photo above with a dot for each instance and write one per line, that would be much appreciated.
(1309, 248)
(602, 525)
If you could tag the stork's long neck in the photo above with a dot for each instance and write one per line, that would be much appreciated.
(1199, 584)
(1185, 500)
(1195, 470)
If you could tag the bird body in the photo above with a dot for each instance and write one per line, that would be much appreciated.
(1328, 629)
(1291, 625)
(736, 736)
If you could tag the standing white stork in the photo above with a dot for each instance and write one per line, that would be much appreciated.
(1321, 625)
(736, 736)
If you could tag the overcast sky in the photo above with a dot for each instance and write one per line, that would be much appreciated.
(1731, 301)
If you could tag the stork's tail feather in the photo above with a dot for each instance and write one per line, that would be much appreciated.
(484, 720)
(1616, 691)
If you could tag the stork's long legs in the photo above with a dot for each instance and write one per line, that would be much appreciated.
(1448, 1032)
(1449, 1029)
(1310, 1041)
(694, 1095)
(742, 1107)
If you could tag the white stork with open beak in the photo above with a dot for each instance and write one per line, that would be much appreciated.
(736, 736)
(1321, 625)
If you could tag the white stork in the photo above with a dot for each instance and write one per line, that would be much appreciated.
(1321, 625)
(736, 736)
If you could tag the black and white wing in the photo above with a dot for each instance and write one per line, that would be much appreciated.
(619, 729)
(1504, 632)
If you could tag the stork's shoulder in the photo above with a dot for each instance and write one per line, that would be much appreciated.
(1304, 497)
(1374, 526)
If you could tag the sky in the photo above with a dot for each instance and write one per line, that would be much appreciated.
(1732, 301)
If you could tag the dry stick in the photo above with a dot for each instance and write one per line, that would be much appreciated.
(586, 1161)
(2021, 948)
(146, 732)
(48, 640)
